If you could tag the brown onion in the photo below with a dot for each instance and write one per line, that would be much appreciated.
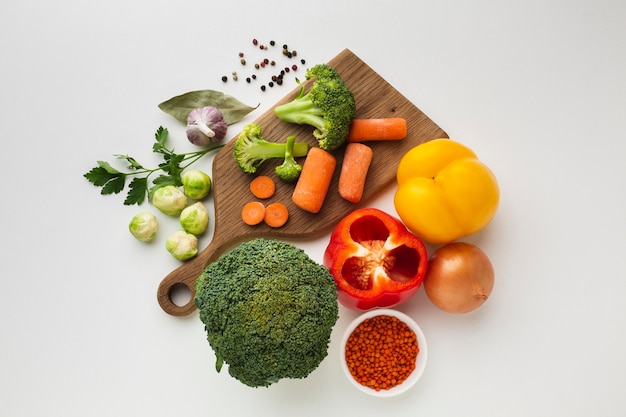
(459, 278)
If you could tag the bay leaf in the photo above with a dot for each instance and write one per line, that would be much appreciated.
(180, 106)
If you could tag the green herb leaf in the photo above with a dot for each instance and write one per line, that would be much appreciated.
(163, 180)
(114, 186)
(160, 136)
(132, 163)
(107, 167)
(98, 176)
(138, 188)
(180, 106)
(172, 164)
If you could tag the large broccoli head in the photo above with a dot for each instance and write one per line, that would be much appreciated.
(329, 106)
(268, 311)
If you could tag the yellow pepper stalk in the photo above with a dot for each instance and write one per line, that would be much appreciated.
(444, 191)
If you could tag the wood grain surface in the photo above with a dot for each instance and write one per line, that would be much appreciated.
(375, 98)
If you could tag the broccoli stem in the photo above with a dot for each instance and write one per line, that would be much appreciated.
(301, 111)
(277, 150)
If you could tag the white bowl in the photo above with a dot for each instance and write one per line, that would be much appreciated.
(420, 360)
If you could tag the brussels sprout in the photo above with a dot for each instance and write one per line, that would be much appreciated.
(196, 184)
(182, 245)
(144, 226)
(169, 200)
(195, 218)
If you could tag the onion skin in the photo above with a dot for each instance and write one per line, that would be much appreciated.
(459, 278)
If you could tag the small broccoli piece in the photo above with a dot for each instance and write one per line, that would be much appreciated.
(329, 106)
(290, 169)
(251, 149)
(268, 311)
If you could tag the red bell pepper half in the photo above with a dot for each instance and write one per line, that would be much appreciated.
(375, 260)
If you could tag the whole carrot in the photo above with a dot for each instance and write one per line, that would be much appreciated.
(315, 178)
(388, 128)
(356, 162)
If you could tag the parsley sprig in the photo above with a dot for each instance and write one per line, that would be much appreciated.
(113, 181)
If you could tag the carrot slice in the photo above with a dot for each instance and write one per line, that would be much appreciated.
(262, 187)
(356, 162)
(253, 213)
(317, 173)
(276, 215)
(389, 128)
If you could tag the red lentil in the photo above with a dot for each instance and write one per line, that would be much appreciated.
(381, 352)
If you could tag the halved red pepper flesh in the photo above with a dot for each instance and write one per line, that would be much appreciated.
(375, 261)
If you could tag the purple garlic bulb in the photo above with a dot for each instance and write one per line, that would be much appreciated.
(206, 125)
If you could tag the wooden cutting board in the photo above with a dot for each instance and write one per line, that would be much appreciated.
(375, 98)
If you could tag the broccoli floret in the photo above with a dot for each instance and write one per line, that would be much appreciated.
(329, 106)
(251, 149)
(268, 311)
(290, 169)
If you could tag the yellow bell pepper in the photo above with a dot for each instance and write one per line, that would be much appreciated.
(444, 191)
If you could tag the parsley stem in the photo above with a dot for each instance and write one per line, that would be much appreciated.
(194, 156)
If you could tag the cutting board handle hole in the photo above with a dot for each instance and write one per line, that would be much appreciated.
(180, 294)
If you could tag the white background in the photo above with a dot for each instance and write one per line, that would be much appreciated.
(537, 88)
